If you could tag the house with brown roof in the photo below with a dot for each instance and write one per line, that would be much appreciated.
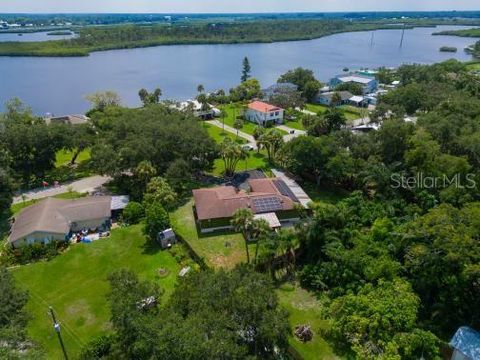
(268, 198)
(57, 219)
(264, 114)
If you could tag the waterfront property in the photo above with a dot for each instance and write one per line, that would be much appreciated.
(279, 88)
(264, 114)
(269, 198)
(199, 110)
(326, 98)
(55, 219)
(67, 119)
(368, 84)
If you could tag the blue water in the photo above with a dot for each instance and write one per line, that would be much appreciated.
(38, 36)
(59, 85)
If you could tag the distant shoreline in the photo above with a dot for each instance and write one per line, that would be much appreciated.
(95, 39)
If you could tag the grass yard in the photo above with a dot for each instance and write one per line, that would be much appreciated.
(235, 111)
(210, 247)
(218, 134)
(305, 309)
(75, 284)
(316, 108)
(63, 157)
(254, 161)
(475, 66)
(295, 124)
(351, 113)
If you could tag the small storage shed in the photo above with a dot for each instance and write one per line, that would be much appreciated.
(166, 238)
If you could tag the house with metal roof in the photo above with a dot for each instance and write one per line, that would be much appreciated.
(264, 114)
(326, 98)
(368, 84)
(270, 198)
(54, 219)
(465, 344)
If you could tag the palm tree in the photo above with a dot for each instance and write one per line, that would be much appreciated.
(238, 124)
(241, 220)
(287, 244)
(231, 153)
(144, 172)
(259, 231)
(200, 88)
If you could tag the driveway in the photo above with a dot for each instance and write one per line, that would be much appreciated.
(89, 184)
(292, 133)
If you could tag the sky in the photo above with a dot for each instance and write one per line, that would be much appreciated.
(232, 6)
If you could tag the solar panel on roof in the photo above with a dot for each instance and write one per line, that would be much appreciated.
(284, 189)
(267, 204)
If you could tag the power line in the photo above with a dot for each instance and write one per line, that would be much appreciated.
(56, 327)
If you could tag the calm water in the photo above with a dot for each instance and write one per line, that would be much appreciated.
(58, 85)
(38, 36)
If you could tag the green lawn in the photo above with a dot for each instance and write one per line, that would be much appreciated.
(68, 195)
(295, 124)
(351, 113)
(255, 160)
(233, 111)
(218, 134)
(474, 66)
(316, 108)
(305, 309)
(220, 249)
(75, 284)
(63, 157)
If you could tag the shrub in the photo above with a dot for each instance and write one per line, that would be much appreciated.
(32, 253)
(133, 213)
(156, 220)
(97, 348)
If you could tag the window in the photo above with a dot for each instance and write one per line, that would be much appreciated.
(277, 113)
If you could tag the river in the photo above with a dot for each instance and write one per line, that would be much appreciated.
(58, 85)
(35, 36)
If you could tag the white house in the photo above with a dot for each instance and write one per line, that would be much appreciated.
(264, 114)
(198, 110)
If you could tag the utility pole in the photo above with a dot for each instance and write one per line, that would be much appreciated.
(56, 327)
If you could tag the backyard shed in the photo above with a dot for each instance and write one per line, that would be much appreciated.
(166, 238)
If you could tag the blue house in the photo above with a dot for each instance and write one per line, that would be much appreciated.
(368, 84)
(466, 344)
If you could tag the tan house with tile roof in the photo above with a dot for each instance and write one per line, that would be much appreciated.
(55, 219)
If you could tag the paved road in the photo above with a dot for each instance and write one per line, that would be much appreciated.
(290, 135)
(83, 185)
(243, 135)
